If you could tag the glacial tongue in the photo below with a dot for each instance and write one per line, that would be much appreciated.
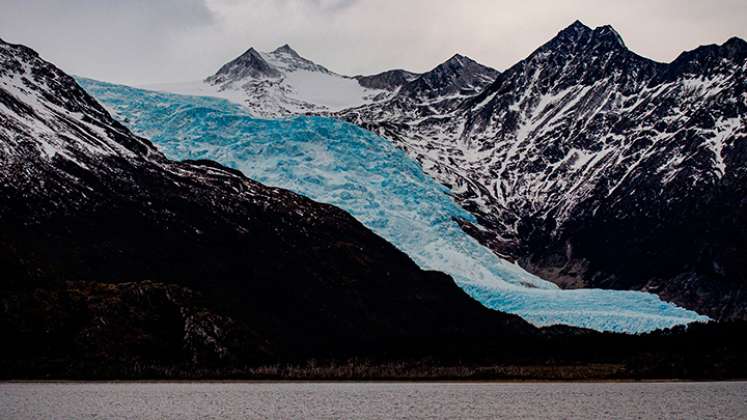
(368, 176)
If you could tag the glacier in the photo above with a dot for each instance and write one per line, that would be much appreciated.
(335, 162)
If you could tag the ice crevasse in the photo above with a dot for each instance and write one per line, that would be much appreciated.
(339, 163)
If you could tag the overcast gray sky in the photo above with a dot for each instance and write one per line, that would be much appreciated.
(149, 41)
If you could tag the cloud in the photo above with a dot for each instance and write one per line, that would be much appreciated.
(147, 41)
(115, 39)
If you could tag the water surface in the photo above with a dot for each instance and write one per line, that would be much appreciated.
(285, 400)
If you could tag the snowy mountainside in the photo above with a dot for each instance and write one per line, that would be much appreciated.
(338, 163)
(595, 167)
(282, 83)
(44, 114)
(431, 96)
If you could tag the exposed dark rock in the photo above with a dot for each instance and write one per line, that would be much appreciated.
(388, 80)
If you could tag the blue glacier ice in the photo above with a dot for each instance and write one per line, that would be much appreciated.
(339, 163)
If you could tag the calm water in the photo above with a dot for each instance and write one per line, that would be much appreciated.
(373, 400)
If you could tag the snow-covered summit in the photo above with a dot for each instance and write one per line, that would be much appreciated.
(251, 64)
(286, 59)
(282, 83)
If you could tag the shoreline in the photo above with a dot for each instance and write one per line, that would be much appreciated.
(366, 381)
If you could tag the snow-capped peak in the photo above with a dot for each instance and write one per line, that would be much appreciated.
(286, 59)
(281, 83)
(577, 25)
(608, 33)
(459, 75)
(251, 64)
(579, 36)
(457, 59)
(574, 31)
(286, 49)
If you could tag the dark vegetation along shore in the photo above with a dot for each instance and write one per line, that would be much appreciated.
(153, 331)
(117, 263)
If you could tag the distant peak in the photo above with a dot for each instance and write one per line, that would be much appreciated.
(577, 25)
(458, 60)
(576, 28)
(286, 49)
(578, 35)
(251, 52)
(735, 43)
(573, 33)
(608, 32)
(249, 64)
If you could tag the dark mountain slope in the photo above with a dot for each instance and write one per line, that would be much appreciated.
(196, 258)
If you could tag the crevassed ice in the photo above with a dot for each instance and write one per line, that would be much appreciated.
(339, 163)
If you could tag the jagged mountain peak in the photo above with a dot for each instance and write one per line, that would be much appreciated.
(736, 43)
(250, 52)
(457, 75)
(578, 26)
(607, 33)
(286, 59)
(458, 59)
(250, 64)
(735, 47)
(286, 49)
(281, 82)
(456, 62)
(709, 59)
(578, 36)
(574, 30)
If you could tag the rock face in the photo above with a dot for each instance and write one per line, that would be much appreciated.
(251, 64)
(458, 76)
(595, 167)
(95, 222)
(388, 80)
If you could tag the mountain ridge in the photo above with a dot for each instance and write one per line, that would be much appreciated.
(282, 83)
(579, 123)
